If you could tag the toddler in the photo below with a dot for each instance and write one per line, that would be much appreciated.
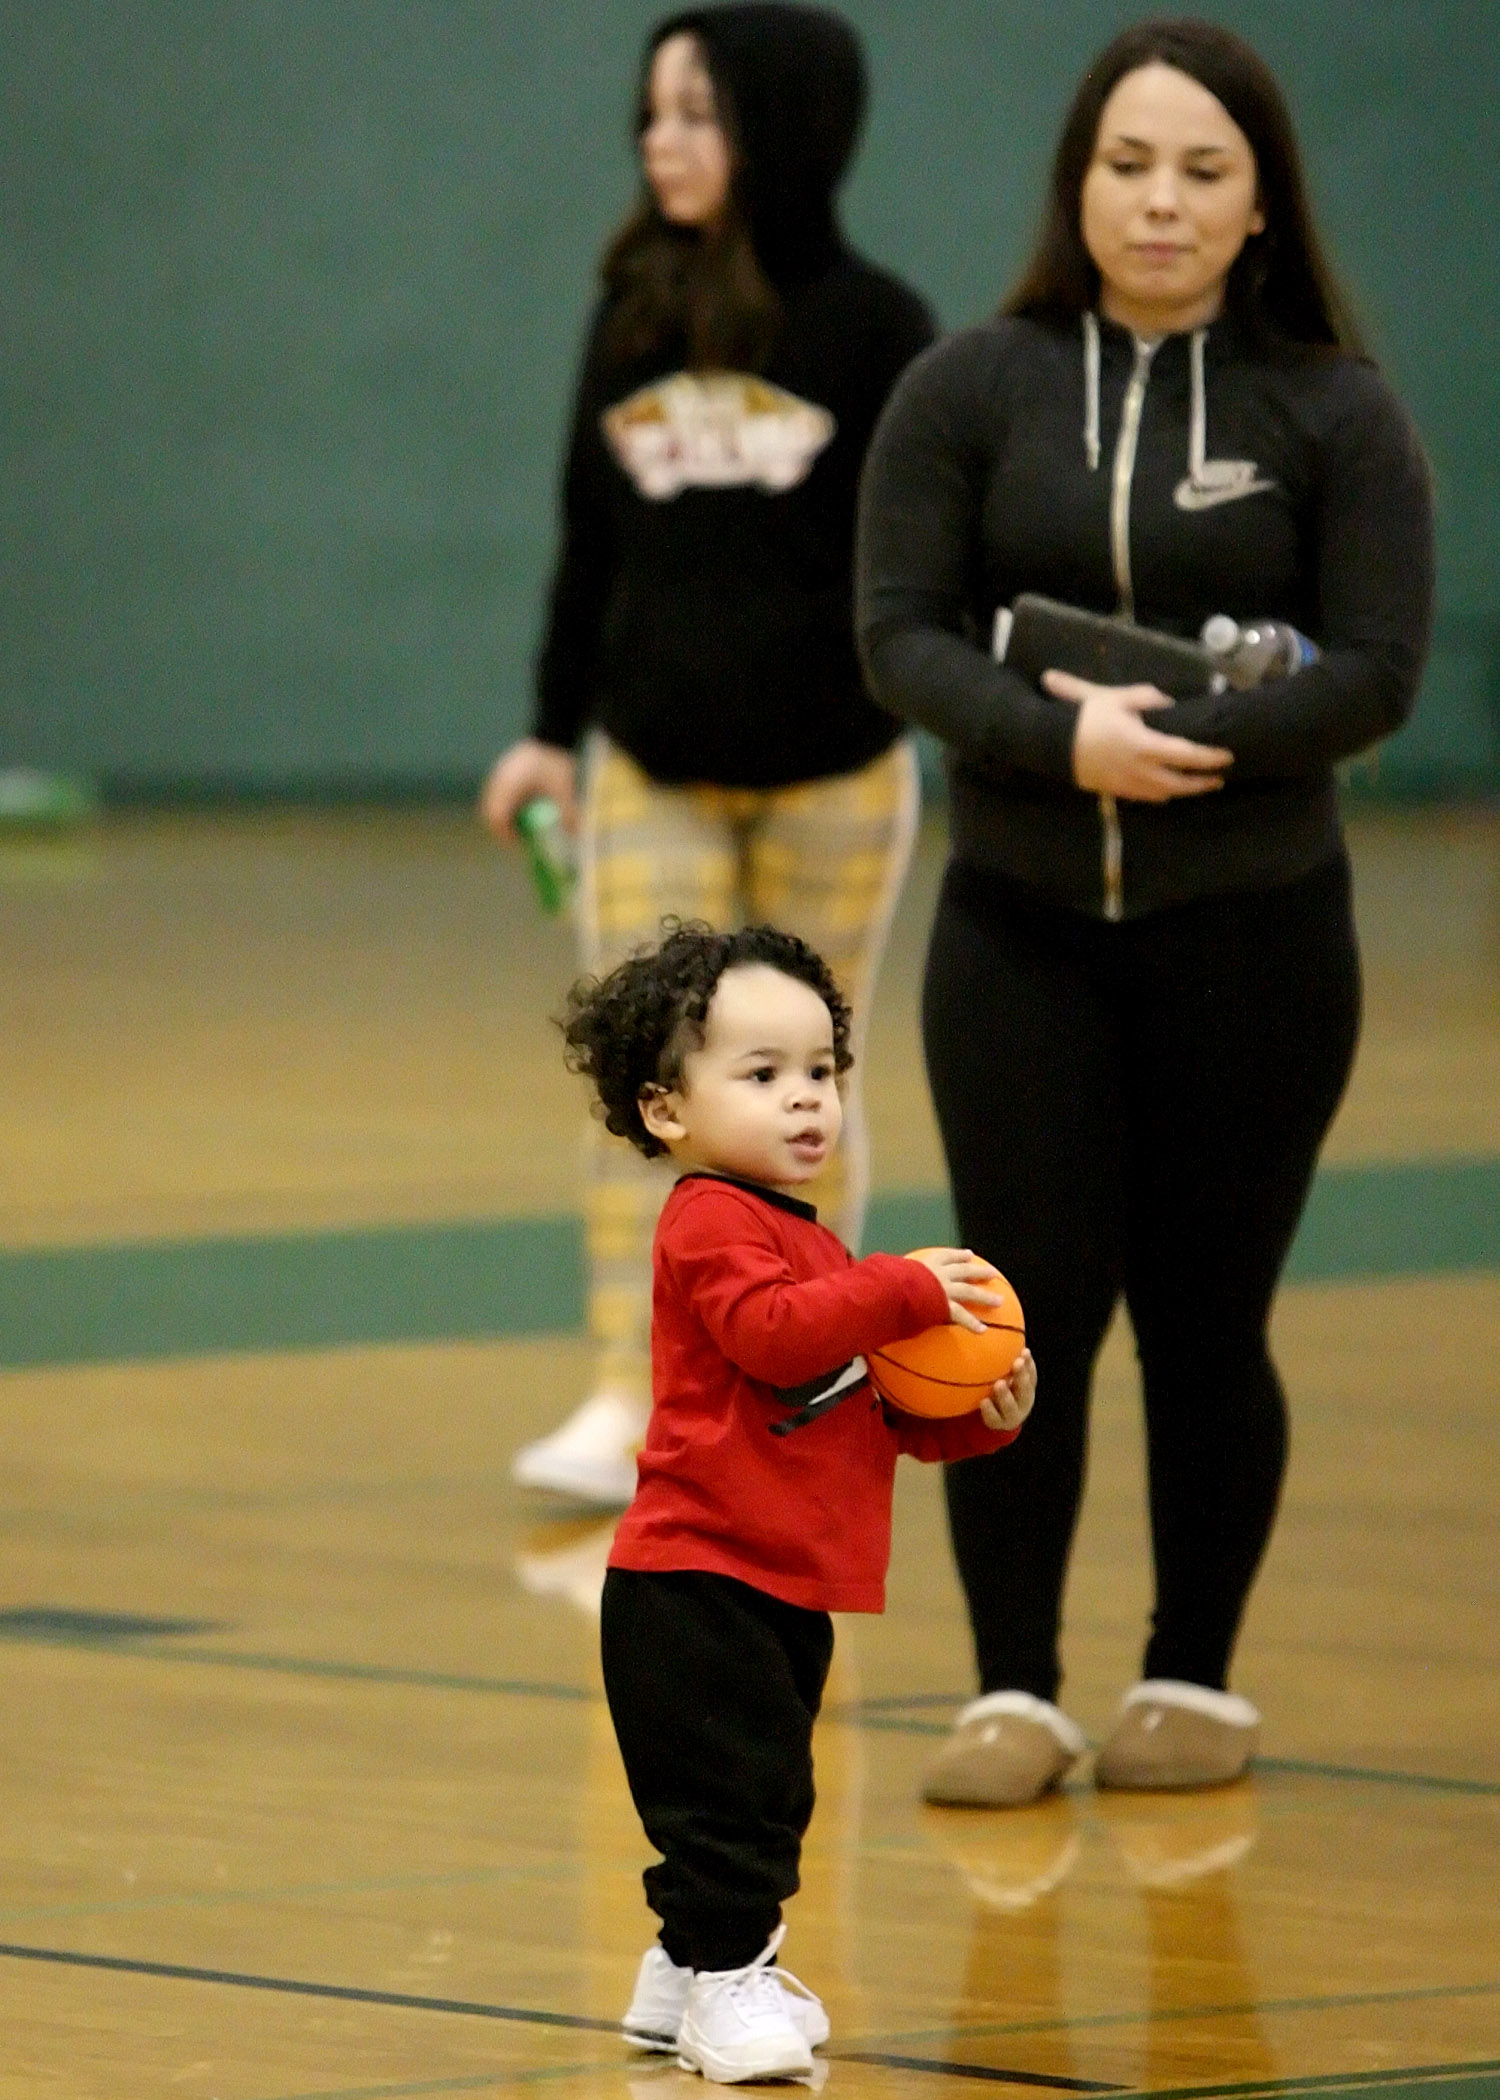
(764, 1496)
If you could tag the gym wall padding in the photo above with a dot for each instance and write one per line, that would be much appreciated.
(293, 293)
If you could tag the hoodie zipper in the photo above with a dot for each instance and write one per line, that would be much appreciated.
(1122, 477)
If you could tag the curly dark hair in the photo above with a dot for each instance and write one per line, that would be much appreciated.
(631, 1030)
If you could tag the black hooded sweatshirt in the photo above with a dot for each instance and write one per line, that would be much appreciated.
(701, 608)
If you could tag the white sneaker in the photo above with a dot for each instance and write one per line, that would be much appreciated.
(654, 2017)
(738, 2024)
(809, 2014)
(591, 1457)
(661, 1993)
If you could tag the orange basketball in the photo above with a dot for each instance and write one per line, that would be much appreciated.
(946, 1370)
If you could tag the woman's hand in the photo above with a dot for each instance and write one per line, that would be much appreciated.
(1116, 753)
(1010, 1403)
(519, 775)
(961, 1273)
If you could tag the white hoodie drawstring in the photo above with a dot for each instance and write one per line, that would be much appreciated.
(1091, 392)
(1198, 420)
(1198, 424)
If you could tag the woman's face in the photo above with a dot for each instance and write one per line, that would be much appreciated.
(1169, 199)
(683, 148)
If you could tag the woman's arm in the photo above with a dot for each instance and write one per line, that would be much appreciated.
(1374, 579)
(543, 763)
(916, 563)
(581, 581)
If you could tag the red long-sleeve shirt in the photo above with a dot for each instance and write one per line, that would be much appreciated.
(752, 1296)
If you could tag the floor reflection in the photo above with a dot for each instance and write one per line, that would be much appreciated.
(1181, 1851)
(567, 1559)
(1015, 1864)
(1171, 1841)
(1048, 1942)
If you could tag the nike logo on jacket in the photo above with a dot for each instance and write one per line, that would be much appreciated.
(1216, 481)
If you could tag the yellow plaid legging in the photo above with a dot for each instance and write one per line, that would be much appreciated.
(824, 859)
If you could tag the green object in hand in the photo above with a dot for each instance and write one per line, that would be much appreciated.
(554, 868)
(33, 801)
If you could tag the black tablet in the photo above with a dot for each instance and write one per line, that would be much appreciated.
(1043, 635)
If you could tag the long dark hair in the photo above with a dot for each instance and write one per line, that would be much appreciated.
(701, 287)
(1280, 287)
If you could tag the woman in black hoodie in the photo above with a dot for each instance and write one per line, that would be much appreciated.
(701, 627)
(1142, 994)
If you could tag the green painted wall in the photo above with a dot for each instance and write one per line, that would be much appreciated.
(292, 290)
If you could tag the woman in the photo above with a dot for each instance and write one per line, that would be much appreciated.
(701, 628)
(1142, 994)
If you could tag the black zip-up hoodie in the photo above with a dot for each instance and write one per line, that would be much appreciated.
(701, 609)
(1164, 484)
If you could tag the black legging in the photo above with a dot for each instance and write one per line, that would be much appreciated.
(1135, 1107)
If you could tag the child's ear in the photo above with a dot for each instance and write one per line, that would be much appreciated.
(658, 1106)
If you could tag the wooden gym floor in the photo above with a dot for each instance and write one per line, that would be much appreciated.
(308, 1787)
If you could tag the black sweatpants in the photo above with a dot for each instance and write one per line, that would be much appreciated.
(713, 1688)
(1135, 1107)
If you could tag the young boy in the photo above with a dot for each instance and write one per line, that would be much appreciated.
(764, 1498)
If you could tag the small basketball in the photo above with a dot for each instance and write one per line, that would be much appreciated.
(946, 1370)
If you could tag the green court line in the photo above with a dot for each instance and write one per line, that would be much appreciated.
(492, 1278)
(291, 1892)
(1479, 2079)
(1297, 1767)
(409, 2092)
(325, 1290)
(301, 1666)
(37, 1626)
(1432, 1782)
(1425, 1217)
(496, 2081)
(1336, 2001)
(303, 1987)
(990, 2074)
(886, 1717)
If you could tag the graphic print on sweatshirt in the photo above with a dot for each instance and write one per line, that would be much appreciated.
(715, 430)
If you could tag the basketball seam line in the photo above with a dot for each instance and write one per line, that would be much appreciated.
(960, 1385)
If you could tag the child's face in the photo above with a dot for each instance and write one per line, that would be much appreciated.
(759, 1099)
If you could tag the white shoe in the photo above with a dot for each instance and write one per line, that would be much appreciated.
(591, 1457)
(654, 2017)
(661, 1993)
(738, 2024)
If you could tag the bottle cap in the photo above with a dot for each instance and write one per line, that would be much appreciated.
(537, 815)
(1220, 635)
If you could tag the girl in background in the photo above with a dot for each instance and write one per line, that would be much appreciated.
(699, 656)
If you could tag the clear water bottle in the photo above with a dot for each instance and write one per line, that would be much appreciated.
(549, 851)
(1250, 652)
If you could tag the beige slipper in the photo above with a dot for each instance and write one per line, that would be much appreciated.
(1006, 1749)
(1171, 1734)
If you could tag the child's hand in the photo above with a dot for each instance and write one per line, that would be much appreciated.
(1010, 1403)
(961, 1273)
